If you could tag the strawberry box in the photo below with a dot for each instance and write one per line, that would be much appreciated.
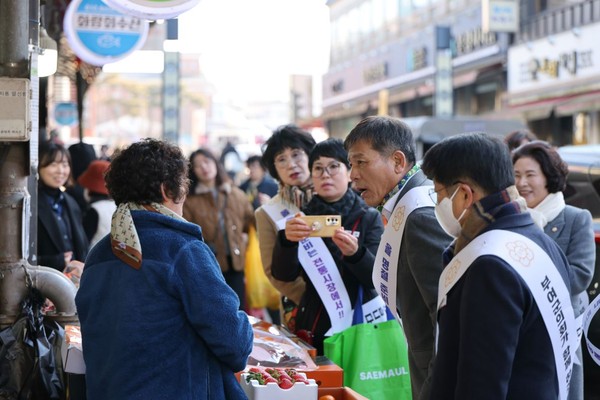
(260, 383)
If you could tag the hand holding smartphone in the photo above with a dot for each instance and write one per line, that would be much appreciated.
(322, 225)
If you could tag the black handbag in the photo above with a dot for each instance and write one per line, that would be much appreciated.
(30, 360)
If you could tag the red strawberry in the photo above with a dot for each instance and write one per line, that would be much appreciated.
(285, 384)
(301, 379)
(254, 369)
(270, 379)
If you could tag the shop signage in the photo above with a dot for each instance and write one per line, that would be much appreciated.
(417, 59)
(376, 73)
(337, 86)
(152, 9)
(561, 58)
(474, 39)
(500, 16)
(100, 35)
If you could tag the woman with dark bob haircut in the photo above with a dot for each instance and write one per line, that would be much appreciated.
(541, 175)
(285, 155)
(157, 317)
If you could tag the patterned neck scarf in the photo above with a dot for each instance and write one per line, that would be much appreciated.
(296, 195)
(486, 211)
(124, 239)
(399, 186)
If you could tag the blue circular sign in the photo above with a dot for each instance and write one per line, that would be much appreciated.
(65, 114)
(99, 34)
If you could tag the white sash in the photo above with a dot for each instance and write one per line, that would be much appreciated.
(279, 213)
(588, 315)
(319, 265)
(543, 280)
(322, 271)
(385, 270)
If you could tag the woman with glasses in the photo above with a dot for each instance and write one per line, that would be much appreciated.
(286, 157)
(541, 176)
(352, 248)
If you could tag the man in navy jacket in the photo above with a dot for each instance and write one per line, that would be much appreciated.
(492, 341)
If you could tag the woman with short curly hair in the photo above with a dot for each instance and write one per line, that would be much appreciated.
(157, 318)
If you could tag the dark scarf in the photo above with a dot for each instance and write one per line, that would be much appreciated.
(487, 210)
(351, 207)
(55, 197)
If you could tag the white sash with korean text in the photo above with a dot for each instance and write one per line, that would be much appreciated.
(544, 281)
(385, 270)
(319, 265)
(588, 316)
(279, 212)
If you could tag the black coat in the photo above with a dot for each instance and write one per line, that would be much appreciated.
(50, 244)
(493, 343)
(355, 270)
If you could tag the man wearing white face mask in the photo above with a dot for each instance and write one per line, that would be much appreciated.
(506, 328)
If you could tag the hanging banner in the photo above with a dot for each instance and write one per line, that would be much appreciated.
(99, 34)
(152, 9)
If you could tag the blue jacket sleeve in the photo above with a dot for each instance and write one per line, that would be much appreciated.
(212, 306)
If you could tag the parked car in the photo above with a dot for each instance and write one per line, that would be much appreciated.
(583, 190)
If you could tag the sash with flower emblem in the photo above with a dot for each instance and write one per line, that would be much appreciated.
(544, 281)
(385, 269)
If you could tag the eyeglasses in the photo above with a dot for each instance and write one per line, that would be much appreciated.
(433, 194)
(332, 170)
(296, 157)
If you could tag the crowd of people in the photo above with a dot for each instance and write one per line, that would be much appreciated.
(473, 248)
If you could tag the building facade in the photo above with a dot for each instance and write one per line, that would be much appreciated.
(554, 74)
(383, 60)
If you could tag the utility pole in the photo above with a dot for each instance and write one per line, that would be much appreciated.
(15, 166)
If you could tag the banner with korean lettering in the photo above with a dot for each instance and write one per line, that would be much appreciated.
(319, 265)
(385, 270)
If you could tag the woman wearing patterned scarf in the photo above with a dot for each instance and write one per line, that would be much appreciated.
(541, 177)
(157, 318)
(352, 248)
(286, 157)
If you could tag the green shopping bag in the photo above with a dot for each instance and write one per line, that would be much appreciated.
(373, 356)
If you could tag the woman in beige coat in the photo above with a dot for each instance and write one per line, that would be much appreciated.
(223, 212)
(286, 157)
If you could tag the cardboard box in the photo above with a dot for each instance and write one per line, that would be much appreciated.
(341, 393)
(72, 356)
(327, 373)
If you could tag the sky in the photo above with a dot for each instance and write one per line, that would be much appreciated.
(248, 48)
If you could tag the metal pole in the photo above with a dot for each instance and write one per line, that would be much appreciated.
(14, 197)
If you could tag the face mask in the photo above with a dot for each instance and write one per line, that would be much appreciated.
(445, 216)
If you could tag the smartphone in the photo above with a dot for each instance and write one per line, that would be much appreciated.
(322, 225)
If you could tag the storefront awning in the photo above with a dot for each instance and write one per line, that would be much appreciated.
(583, 103)
(561, 106)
